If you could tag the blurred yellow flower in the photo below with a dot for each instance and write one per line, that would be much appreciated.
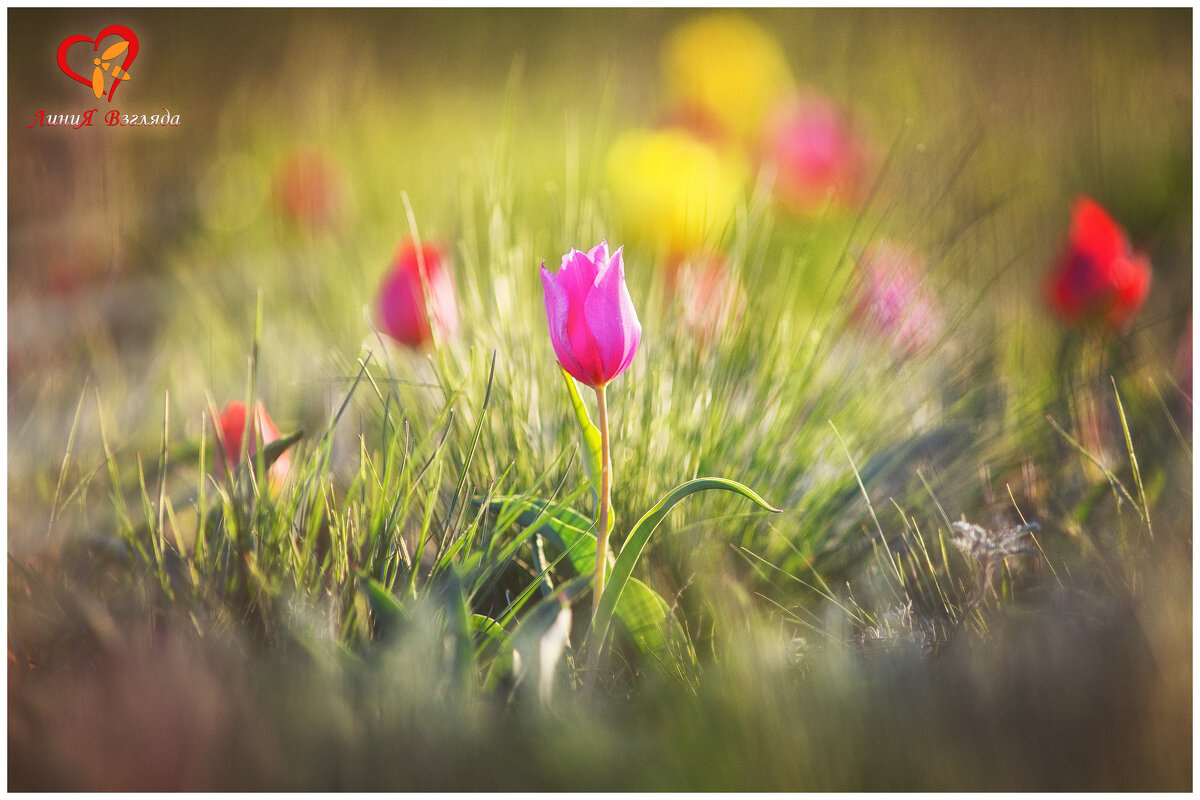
(727, 69)
(673, 191)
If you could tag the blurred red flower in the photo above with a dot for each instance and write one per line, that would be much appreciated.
(232, 428)
(311, 190)
(1097, 278)
(417, 274)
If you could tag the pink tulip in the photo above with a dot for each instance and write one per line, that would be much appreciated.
(595, 333)
(817, 155)
(889, 301)
(232, 425)
(402, 309)
(593, 326)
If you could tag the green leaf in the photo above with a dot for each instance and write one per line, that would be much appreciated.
(563, 527)
(275, 448)
(488, 631)
(493, 639)
(384, 606)
(622, 570)
(643, 612)
(647, 617)
(493, 646)
(451, 599)
(543, 635)
(589, 438)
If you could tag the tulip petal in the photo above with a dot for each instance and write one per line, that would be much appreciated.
(1098, 278)
(577, 275)
(612, 319)
(1094, 232)
(599, 256)
(402, 309)
(557, 314)
(232, 425)
(580, 277)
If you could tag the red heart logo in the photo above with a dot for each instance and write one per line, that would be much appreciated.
(130, 54)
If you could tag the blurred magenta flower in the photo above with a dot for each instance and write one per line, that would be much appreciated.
(232, 428)
(1097, 278)
(890, 302)
(417, 287)
(593, 325)
(816, 153)
(709, 293)
(311, 190)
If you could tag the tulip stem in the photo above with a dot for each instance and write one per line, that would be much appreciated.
(600, 574)
(602, 525)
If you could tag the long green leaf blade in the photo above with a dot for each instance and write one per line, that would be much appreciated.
(632, 551)
(643, 612)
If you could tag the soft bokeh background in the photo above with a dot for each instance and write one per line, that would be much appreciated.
(993, 120)
(137, 258)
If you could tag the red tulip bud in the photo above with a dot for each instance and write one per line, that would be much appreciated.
(417, 276)
(232, 426)
(1098, 278)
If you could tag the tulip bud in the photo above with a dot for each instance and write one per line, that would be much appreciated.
(1098, 278)
(593, 326)
(417, 275)
(232, 427)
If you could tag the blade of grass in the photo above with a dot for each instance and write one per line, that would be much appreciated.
(62, 474)
(1137, 473)
(1116, 484)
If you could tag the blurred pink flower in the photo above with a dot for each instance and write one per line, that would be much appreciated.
(310, 189)
(232, 428)
(709, 293)
(816, 154)
(402, 310)
(593, 326)
(890, 302)
(1097, 278)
